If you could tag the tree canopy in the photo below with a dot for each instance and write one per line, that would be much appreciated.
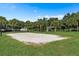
(70, 22)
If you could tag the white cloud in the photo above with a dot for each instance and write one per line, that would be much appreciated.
(55, 16)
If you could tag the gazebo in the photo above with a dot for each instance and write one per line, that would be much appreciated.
(50, 28)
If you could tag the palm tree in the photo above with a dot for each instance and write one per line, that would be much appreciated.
(70, 21)
(54, 22)
(15, 24)
(3, 22)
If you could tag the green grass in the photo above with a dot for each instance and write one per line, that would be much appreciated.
(9, 46)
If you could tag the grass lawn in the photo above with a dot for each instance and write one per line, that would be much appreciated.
(69, 46)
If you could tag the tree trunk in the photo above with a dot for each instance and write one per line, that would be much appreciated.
(47, 29)
(70, 29)
(55, 29)
(77, 27)
(40, 28)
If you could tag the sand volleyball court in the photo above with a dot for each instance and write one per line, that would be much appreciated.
(35, 37)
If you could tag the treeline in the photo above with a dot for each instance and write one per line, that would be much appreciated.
(70, 22)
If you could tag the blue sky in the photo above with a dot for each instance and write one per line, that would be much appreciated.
(33, 11)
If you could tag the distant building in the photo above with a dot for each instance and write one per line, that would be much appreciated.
(23, 29)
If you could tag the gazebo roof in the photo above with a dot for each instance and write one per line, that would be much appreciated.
(50, 27)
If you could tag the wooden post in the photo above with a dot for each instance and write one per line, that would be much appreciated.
(0, 32)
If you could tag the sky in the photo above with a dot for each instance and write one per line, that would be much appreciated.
(33, 11)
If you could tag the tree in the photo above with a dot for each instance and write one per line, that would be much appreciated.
(3, 23)
(77, 18)
(45, 23)
(70, 21)
(40, 24)
(15, 24)
(54, 22)
(29, 25)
